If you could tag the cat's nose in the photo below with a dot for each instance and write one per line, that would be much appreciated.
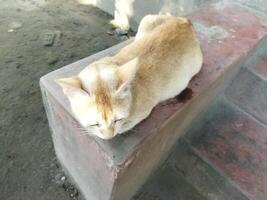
(108, 133)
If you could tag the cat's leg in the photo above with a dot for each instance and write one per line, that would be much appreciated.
(149, 23)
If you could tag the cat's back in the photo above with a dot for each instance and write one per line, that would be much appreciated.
(170, 58)
(175, 37)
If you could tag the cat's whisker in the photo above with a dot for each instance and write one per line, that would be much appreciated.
(83, 131)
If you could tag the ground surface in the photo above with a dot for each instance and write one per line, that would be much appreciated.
(28, 167)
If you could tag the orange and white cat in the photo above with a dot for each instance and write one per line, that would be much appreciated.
(115, 93)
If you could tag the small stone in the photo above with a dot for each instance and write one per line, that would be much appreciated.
(48, 38)
(63, 178)
(71, 195)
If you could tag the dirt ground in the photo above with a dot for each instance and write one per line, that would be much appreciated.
(28, 166)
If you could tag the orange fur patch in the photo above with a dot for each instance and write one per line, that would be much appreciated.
(103, 101)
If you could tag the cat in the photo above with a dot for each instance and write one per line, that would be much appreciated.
(113, 94)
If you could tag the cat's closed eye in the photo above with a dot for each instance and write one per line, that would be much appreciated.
(118, 120)
(94, 125)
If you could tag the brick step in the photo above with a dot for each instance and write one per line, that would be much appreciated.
(235, 144)
(117, 168)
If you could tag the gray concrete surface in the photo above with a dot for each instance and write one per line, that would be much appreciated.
(28, 167)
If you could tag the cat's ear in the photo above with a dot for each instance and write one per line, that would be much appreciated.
(127, 73)
(72, 87)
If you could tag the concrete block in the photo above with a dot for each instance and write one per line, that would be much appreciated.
(115, 169)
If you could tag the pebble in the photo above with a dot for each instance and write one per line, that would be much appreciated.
(48, 38)
(71, 195)
(63, 178)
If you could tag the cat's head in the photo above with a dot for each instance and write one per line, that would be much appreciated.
(100, 97)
